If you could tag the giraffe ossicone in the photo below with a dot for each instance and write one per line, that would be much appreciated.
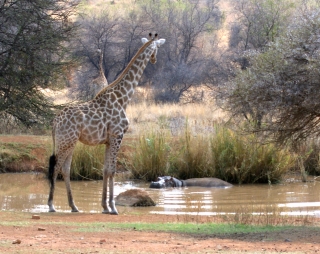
(102, 120)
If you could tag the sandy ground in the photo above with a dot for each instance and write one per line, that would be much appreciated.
(19, 233)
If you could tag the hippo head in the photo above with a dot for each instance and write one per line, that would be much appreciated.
(160, 183)
(165, 181)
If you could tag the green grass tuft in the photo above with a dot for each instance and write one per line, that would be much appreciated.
(87, 162)
(223, 154)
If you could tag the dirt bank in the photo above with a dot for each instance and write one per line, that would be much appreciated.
(19, 233)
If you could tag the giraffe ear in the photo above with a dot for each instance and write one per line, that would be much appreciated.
(144, 40)
(160, 42)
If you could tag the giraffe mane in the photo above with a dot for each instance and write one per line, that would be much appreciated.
(124, 72)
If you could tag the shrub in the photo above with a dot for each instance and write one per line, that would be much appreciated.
(225, 155)
(150, 156)
(310, 153)
(193, 159)
(242, 159)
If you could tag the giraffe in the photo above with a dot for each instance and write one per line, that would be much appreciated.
(99, 82)
(102, 120)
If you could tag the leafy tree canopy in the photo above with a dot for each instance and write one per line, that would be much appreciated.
(33, 40)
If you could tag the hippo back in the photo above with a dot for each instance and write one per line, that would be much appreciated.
(207, 182)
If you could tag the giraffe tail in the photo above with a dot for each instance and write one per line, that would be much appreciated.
(52, 163)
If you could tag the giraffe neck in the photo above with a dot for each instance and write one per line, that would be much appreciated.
(122, 89)
(101, 72)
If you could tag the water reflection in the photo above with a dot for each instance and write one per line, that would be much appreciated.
(29, 192)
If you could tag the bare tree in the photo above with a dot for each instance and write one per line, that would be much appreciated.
(96, 35)
(118, 38)
(185, 63)
(185, 24)
(259, 22)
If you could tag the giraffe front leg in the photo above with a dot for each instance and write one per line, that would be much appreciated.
(109, 170)
(104, 193)
(111, 196)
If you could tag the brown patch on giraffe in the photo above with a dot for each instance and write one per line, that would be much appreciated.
(120, 101)
(95, 123)
(140, 64)
(134, 69)
(103, 103)
(131, 76)
(73, 120)
(118, 94)
(113, 97)
(123, 90)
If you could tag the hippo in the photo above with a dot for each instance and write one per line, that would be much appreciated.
(169, 181)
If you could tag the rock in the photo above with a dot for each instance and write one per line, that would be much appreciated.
(134, 197)
(16, 241)
(41, 229)
(36, 217)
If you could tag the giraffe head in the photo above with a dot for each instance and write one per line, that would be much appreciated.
(154, 45)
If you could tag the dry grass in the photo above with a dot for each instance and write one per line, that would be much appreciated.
(200, 117)
(58, 97)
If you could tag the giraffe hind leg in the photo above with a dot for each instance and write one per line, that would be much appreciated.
(104, 194)
(53, 173)
(66, 176)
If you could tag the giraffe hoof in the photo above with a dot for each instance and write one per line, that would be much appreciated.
(114, 213)
(105, 212)
(51, 209)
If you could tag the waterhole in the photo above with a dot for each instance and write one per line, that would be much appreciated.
(29, 193)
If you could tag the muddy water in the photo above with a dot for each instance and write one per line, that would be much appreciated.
(29, 192)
